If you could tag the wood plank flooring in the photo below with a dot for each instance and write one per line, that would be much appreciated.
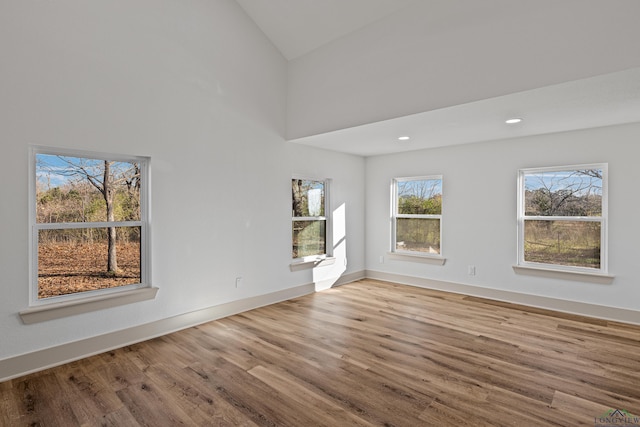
(363, 354)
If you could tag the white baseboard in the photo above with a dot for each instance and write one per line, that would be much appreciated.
(39, 360)
(351, 277)
(564, 306)
(24, 364)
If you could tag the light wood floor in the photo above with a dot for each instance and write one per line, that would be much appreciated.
(367, 353)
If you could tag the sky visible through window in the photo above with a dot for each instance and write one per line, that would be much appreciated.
(581, 182)
(422, 188)
(54, 170)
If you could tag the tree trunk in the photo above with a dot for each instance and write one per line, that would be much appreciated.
(297, 209)
(112, 257)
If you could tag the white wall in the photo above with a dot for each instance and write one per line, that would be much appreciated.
(197, 87)
(438, 53)
(479, 212)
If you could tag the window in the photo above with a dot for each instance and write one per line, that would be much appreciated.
(417, 216)
(309, 223)
(562, 215)
(89, 224)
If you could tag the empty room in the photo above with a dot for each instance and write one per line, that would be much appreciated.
(319, 212)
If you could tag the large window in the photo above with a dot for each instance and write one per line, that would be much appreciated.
(417, 215)
(562, 217)
(309, 223)
(89, 224)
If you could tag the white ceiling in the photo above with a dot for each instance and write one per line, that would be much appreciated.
(297, 27)
(598, 101)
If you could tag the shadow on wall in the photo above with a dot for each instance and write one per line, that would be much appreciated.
(325, 277)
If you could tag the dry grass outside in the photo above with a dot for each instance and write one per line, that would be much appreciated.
(68, 268)
(570, 243)
(309, 238)
(424, 247)
(573, 256)
(418, 235)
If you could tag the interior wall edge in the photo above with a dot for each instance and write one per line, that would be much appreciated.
(350, 277)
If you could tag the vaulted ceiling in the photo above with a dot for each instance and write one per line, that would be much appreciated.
(585, 92)
(296, 27)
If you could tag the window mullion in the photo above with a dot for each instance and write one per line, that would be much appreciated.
(309, 218)
(564, 218)
(74, 225)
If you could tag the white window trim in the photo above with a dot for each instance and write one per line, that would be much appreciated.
(86, 304)
(327, 258)
(561, 271)
(553, 273)
(65, 305)
(311, 262)
(413, 256)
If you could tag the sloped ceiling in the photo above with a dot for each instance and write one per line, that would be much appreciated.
(297, 27)
(578, 66)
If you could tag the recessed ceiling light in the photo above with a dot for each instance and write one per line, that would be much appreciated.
(513, 120)
(404, 138)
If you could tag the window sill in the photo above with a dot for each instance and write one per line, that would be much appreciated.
(552, 273)
(85, 305)
(311, 263)
(425, 259)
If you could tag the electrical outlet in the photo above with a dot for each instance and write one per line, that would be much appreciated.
(471, 270)
(238, 282)
(381, 259)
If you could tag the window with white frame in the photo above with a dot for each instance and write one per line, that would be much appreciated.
(89, 224)
(417, 215)
(308, 218)
(562, 217)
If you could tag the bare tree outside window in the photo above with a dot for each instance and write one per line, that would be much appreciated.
(563, 217)
(418, 215)
(88, 219)
(309, 223)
